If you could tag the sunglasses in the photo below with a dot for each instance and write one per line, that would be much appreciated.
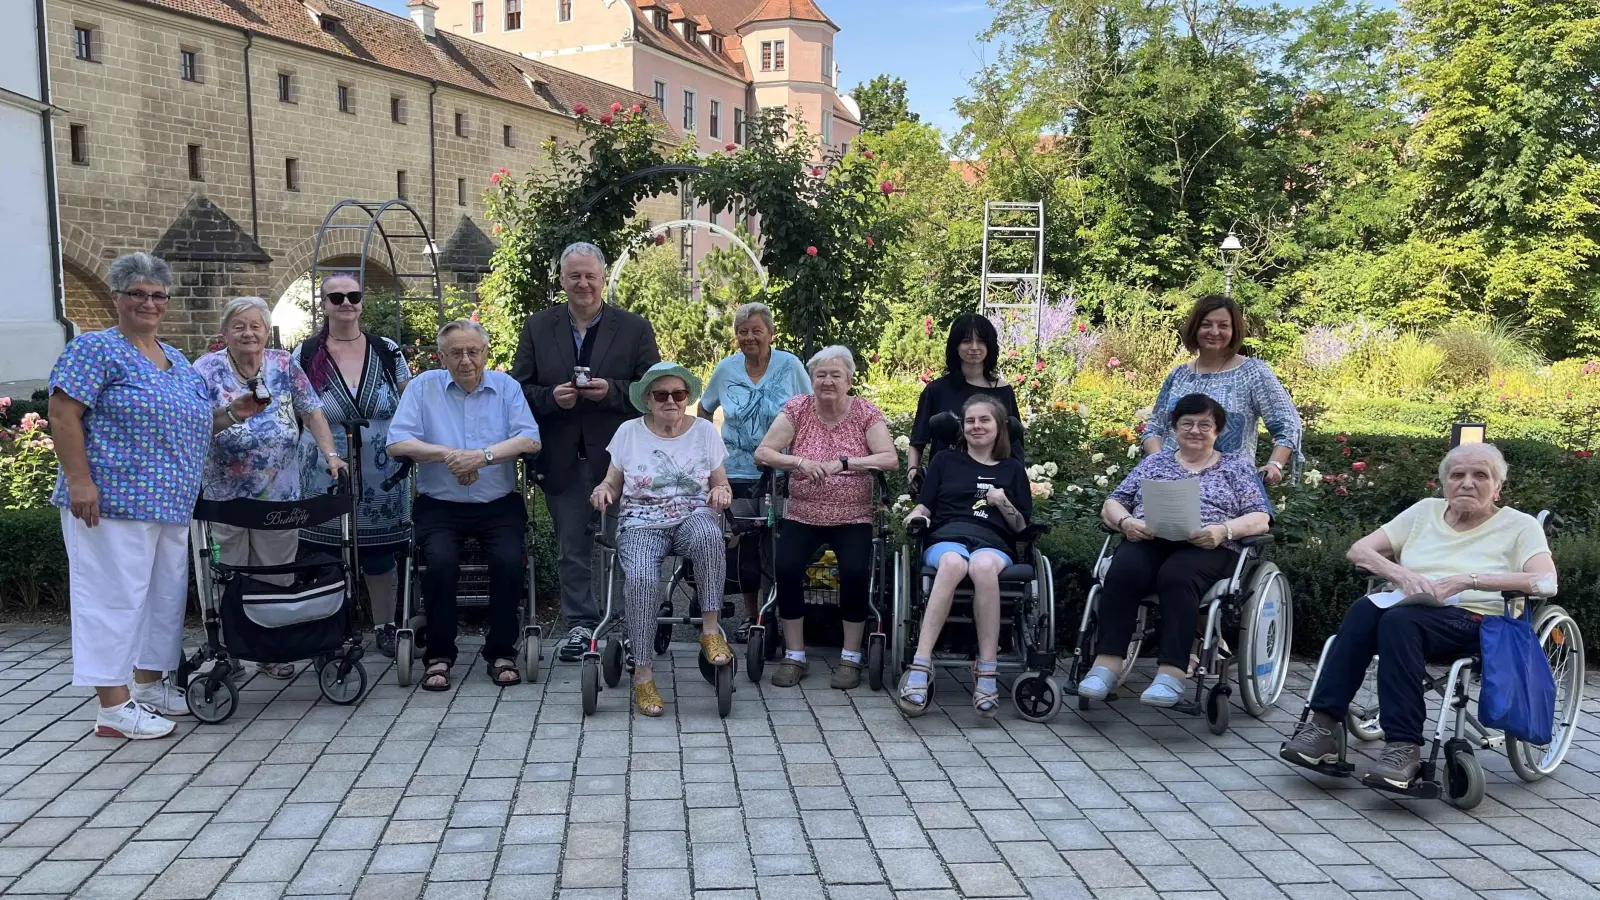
(339, 298)
(679, 395)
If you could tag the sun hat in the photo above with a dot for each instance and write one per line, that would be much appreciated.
(640, 388)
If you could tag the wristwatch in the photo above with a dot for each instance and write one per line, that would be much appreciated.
(488, 456)
(844, 462)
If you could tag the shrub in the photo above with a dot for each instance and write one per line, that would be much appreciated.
(27, 464)
(33, 560)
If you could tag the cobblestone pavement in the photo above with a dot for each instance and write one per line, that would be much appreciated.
(806, 793)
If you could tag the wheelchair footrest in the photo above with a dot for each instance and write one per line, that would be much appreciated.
(1420, 787)
(1187, 707)
(1040, 661)
(1339, 769)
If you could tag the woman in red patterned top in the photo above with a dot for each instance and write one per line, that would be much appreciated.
(830, 443)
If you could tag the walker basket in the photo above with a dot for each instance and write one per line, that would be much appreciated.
(271, 623)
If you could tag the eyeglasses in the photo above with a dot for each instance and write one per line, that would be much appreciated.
(468, 353)
(1199, 427)
(339, 298)
(141, 296)
(680, 395)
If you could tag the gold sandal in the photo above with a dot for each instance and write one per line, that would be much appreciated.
(716, 649)
(646, 698)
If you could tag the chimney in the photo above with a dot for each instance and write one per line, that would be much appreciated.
(422, 13)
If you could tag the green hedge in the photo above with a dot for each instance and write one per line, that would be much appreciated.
(33, 560)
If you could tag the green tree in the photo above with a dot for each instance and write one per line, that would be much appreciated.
(883, 104)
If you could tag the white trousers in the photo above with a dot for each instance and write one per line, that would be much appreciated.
(129, 586)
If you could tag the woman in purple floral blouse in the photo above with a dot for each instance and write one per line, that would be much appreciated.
(1233, 505)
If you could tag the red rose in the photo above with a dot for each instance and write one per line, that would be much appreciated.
(660, 239)
(616, 108)
(606, 119)
(495, 178)
(1342, 491)
(811, 251)
(1358, 466)
(816, 173)
(1139, 427)
(636, 109)
(927, 325)
(1082, 328)
(1347, 451)
(868, 154)
(731, 147)
(504, 171)
(580, 110)
(1341, 439)
(1040, 366)
(887, 187)
(871, 242)
(874, 357)
(1584, 454)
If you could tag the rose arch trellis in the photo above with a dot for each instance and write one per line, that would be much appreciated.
(823, 226)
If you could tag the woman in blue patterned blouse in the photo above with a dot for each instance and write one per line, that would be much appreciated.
(1233, 505)
(132, 424)
(1246, 387)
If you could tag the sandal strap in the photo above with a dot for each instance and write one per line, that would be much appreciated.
(715, 645)
(646, 696)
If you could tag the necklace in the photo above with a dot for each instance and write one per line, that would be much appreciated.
(239, 371)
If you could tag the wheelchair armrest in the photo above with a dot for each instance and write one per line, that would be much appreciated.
(401, 474)
(918, 525)
(1032, 533)
(1107, 529)
(1257, 540)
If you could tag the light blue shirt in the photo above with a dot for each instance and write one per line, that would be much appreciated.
(748, 409)
(435, 410)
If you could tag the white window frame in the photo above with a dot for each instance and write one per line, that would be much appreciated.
(691, 124)
(714, 123)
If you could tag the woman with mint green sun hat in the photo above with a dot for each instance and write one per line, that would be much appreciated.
(667, 472)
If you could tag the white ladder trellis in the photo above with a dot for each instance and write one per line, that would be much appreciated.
(1014, 280)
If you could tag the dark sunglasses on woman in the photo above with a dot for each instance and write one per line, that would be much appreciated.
(339, 298)
(663, 396)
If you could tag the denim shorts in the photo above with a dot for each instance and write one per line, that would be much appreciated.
(936, 551)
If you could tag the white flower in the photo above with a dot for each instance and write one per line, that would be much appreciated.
(1112, 470)
(901, 443)
(1145, 413)
(1050, 469)
(1035, 473)
(1133, 451)
(1074, 489)
(1082, 410)
(1098, 458)
(1102, 481)
(1041, 490)
(1313, 478)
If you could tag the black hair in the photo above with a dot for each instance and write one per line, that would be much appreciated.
(968, 325)
(1194, 404)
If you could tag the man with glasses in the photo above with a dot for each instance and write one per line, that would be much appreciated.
(466, 428)
(576, 362)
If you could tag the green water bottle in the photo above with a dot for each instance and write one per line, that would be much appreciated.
(216, 552)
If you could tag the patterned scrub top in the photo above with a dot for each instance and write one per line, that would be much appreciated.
(146, 432)
(1250, 393)
(382, 518)
(258, 460)
(845, 498)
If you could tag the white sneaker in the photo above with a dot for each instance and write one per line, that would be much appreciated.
(132, 721)
(161, 697)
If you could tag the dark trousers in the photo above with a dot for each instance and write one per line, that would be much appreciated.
(499, 526)
(744, 558)
(798, 544)
(566, 495)
(1178, 574)
(1404, 639)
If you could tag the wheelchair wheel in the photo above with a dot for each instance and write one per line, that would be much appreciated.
(1563, 646)
(530, 655)
(1217, 710)
(875, 662)
(1463, 775)
(404, 654)
(212, 698)
(1036, 696)
(755, 652)
(1267, 630)
(611, 661)
(342, 688)
(590, 679)
(1362, 719)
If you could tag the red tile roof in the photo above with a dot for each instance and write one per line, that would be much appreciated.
(365, 34)
(724, 17)
(804, 10)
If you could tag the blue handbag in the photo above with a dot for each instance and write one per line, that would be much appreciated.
(1518, 694)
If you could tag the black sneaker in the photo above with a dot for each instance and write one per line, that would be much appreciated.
(576, 644)
(385, 638)
(1397, 764)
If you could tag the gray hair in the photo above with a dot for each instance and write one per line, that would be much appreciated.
(240, 304)
(749, 311)
(323, 288)
(1487, 452)
(138, 266)
(581, 248)
(462, 325)
(829, 354)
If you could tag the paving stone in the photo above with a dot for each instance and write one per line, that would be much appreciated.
(189, 879)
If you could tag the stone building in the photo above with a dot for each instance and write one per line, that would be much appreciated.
(219, 133)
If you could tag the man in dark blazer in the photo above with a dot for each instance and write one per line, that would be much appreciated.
(576, 361)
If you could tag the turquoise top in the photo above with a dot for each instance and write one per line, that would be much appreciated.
(749, 408)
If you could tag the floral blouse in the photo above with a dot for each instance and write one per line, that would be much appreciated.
(1229, 487)
(257, 460)
(845, 498)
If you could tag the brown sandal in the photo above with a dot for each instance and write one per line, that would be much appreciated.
(498, 670)
(646, 698)
(440, 669)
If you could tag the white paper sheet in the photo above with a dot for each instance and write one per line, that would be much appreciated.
(1387, 599)
(1171, 508)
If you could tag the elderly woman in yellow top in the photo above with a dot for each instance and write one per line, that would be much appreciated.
(1449, 559)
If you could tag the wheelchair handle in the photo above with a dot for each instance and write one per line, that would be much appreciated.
(401, 474)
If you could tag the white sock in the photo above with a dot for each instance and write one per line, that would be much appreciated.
(796, 655)
(852, 655)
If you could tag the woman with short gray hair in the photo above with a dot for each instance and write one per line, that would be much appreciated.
(128, 479)
(257, 459)
(750, 387)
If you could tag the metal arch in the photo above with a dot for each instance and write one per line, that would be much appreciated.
(667, 169)
(663, 228)
(375, 211)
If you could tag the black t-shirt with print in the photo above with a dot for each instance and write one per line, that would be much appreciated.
(954, 492)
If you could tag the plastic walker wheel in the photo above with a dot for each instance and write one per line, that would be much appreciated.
(212, 698)
(343, 689)
(590, 679)
(755, 653)
(611, 661)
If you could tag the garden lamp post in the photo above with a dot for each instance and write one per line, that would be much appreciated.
(1230, 259)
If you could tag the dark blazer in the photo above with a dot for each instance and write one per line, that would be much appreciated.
(624, 347)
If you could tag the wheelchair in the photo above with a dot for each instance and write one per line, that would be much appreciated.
(762, 648)
(1027, 608)
(619, 654)
(1463, 782)
(1253, 605)
(472, 591)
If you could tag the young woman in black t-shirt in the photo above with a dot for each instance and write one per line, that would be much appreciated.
(976, 498)
(971, 368)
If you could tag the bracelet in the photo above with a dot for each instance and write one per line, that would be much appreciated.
(1275, 464)
(1228, 530)
(231, 417)
(332, 454)
(1125, 517)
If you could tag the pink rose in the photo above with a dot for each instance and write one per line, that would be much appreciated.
(616, 108)
(811, 251)
(1358, 466)
(1114, 363)
(580, 110)
(606, 119)
(887, 187)
(731, 147)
